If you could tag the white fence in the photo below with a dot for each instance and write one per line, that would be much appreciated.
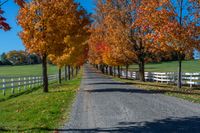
(165, 77)
(22, 82)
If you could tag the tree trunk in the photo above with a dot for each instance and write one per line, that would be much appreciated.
(102, 69)
(179, 84)
(65, 72)
(111, 73)
(118, 69)
(114, 72)
(121, 69)
(44, 73)
(72, 72)
(127, 71)
(106, 69)
(77, 71)
(69, 73)
(141, 70)
(59, 76)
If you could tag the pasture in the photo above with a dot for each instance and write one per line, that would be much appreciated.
(26, 70)
(170, 66)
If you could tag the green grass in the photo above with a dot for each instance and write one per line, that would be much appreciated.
(35, 111)
(171, 66)
(26, 70)
(187, 93)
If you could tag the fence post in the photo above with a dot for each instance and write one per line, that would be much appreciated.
(12, 85)
(29, 79)
(19, 84)
(167, 74)
(24, 83)
(4, 87)
(33, 80)
(190, 81)
(38, 82)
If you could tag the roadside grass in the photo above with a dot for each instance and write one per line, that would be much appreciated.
(170, 66)
(25, 70)
(36, 111)
(186, 93)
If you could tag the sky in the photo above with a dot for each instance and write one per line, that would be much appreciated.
(10, 39)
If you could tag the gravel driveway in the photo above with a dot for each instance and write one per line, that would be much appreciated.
(107, 106)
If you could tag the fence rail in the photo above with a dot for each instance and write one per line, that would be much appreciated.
(163, 77)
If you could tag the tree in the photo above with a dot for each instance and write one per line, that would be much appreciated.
(42, 34)
(127, 28)
(74, 50)
(4, 60)
(179, 33)
(3, 25)
(17, 57)
(107, 44)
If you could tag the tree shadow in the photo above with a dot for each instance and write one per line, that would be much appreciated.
(95, 77)
(123, 90)
(134, 90)
(109, 83)
(165, 87)
(168, 125)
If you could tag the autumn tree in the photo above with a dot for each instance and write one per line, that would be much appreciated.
(74, 36)
(44, 26)
(179, 33)
(105, 49)
(127, 27)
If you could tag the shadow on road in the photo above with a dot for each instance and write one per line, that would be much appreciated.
(113, 88)
(178, 125)
(125, 90)
(109, 83)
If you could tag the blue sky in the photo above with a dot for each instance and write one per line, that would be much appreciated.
(10, 39)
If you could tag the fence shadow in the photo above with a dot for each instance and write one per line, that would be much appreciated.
(25, 92)
(20, 93)
(182, 125)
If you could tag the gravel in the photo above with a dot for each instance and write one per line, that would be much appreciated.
(107, 106)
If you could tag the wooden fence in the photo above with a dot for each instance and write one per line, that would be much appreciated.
(23, 82)
(164, 77)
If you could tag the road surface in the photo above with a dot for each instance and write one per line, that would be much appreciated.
(107, 106)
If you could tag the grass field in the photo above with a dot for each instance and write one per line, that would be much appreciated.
(25, 70)
(172, 66)
(36, 111)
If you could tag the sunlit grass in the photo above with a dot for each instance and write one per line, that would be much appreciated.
(36, 111)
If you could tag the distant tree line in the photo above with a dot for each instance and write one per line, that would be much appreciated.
(172, 56)
(19, 58)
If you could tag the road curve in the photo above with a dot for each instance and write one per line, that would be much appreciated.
(107, 106)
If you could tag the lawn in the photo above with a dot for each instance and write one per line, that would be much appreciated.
(25, 70)
(171, 66)
(35, 111)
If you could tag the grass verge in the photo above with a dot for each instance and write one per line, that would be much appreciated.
(36, 111)
(186, 93)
